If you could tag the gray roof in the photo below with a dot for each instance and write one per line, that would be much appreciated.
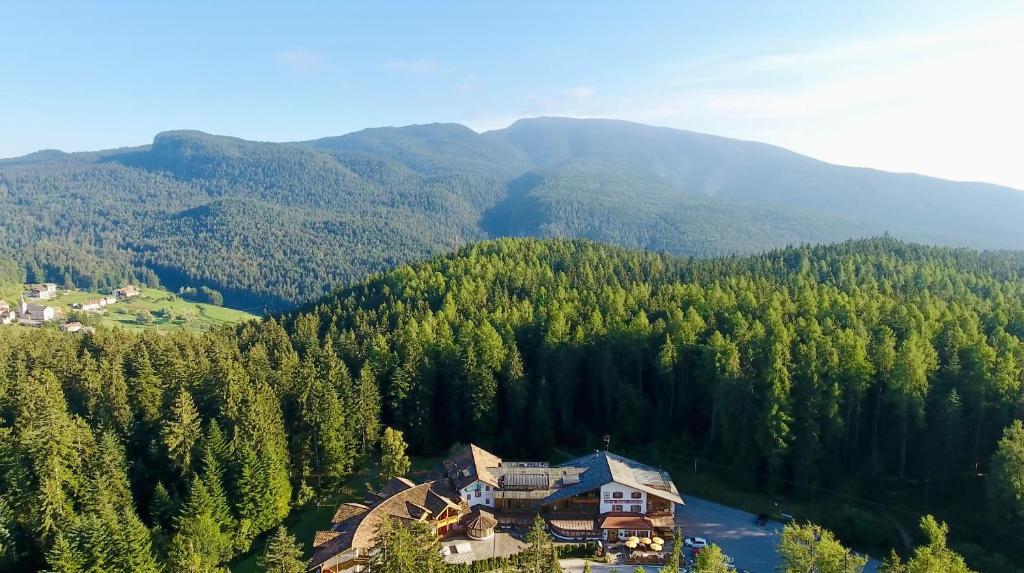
(600, 468)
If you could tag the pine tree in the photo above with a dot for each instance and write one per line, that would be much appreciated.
(537, 556)
(393, 461)
(6, 522)
(674, 558)
(1006, 481)
(199, 540)
(283, 554)
(406, 548)
(369, 410)
(181, 431)
(64, 558)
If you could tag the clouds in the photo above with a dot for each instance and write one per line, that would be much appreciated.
(944, 102)
(412, 66)
(580, 92)
(301, 61)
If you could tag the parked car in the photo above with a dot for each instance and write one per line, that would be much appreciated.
(698, 542)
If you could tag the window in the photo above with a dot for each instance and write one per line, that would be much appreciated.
(487, 487)
(487, 501)
(477, 493)
(635, 508)
(607, 495)
(636, 495)
(617, 494)
(616, 508)
(468, 497)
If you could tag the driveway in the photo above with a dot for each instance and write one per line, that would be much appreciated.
(500, 545)
(751, 547)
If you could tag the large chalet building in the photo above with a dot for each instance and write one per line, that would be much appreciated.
(597, 496)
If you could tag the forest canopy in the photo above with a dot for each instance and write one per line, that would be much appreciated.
(846, 366)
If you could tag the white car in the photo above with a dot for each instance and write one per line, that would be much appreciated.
(696, 542)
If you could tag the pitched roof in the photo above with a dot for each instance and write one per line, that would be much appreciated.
(480, 520)
(470, 464)
(626, 522)
(357, 524)
(600, 468)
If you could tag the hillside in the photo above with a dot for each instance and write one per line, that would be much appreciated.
(857, 384)
(165, 311)
(278, 223)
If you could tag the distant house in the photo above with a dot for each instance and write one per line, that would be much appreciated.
(35, 314)
(105, 300)
(127, 292)
(92, 305)
(44, 291)
(71, 327)
(7, 315)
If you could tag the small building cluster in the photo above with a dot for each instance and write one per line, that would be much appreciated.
(28, 314)
(43, 291)
(597, 496)
(33, 312)
(126, 292)
(95, 304)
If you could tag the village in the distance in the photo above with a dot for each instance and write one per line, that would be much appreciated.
(33, 310)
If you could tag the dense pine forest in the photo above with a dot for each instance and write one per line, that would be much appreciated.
(279, 224)
(858, 367)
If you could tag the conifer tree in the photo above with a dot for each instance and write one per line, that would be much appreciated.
(537, 556)
(393, 461)
(283, 554)
(1006, 481)
(64, 558)
(674, 558)
(406, 548)
(181, 431)
(369, 410)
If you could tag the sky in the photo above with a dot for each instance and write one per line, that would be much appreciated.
(927, 87)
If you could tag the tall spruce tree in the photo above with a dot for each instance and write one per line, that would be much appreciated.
(283, 554)
(393, 461)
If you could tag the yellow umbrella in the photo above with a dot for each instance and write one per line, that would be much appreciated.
(646, 541)
(656, 547)
(633, 539)
(658, 540)
(631, 544)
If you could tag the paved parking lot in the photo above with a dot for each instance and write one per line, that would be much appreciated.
(501, 545)
(751, 546)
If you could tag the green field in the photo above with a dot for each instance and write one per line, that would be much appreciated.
(170, 312)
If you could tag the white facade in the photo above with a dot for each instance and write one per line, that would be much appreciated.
(619, 498)
(478, 493)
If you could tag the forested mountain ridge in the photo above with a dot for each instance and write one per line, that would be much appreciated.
(866, 367)
(279, 223)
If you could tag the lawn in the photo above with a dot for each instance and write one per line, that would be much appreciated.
(170, 312)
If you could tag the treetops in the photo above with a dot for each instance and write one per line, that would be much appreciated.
(809, 362)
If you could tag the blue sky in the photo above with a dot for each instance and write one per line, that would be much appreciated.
(904, 86)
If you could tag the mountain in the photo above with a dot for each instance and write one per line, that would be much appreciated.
(274, 224)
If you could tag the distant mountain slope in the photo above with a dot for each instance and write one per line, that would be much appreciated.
(278, 223)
